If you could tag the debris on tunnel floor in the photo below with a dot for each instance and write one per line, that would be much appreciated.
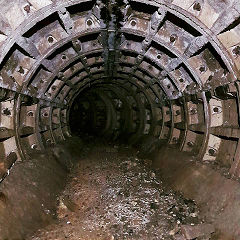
(114, 195)
(120, 70)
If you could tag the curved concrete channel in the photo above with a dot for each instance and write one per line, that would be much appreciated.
(165, 70)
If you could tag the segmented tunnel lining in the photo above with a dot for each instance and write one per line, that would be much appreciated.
(175, 62)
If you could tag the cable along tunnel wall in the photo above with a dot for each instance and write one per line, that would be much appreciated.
(172, 65)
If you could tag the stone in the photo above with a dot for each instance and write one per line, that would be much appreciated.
(191, 232)
(179, 237)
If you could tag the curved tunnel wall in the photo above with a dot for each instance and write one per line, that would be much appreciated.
(164, 68)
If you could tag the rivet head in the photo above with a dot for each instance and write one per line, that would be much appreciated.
(173, 38)
(89, 22)
(190, 144)
(133, 23)
(212, 152)
(34, 146)
(216, 109)
(30, 113)
(197, 7)
(236, 50)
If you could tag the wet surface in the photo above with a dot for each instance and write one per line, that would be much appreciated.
(112, 194)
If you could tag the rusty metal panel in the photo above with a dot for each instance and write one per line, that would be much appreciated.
(7, 112)
(213, 147)
(216, 112)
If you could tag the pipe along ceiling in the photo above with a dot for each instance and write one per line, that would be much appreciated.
(165, 68)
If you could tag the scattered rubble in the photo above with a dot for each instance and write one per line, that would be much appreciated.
(115, 195)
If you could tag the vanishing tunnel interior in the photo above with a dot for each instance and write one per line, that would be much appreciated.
(122, 71)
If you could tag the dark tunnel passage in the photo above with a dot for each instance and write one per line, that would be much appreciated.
(140, 73)
(113, 112)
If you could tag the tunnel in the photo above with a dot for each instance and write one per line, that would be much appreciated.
(139, 72)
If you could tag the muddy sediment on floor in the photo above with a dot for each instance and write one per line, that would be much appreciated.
(112, 194)
(28, 196)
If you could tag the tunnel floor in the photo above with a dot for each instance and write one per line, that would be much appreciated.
(162, 73)
(113, 194)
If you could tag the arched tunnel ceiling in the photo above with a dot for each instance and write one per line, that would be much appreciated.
(177, 61)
